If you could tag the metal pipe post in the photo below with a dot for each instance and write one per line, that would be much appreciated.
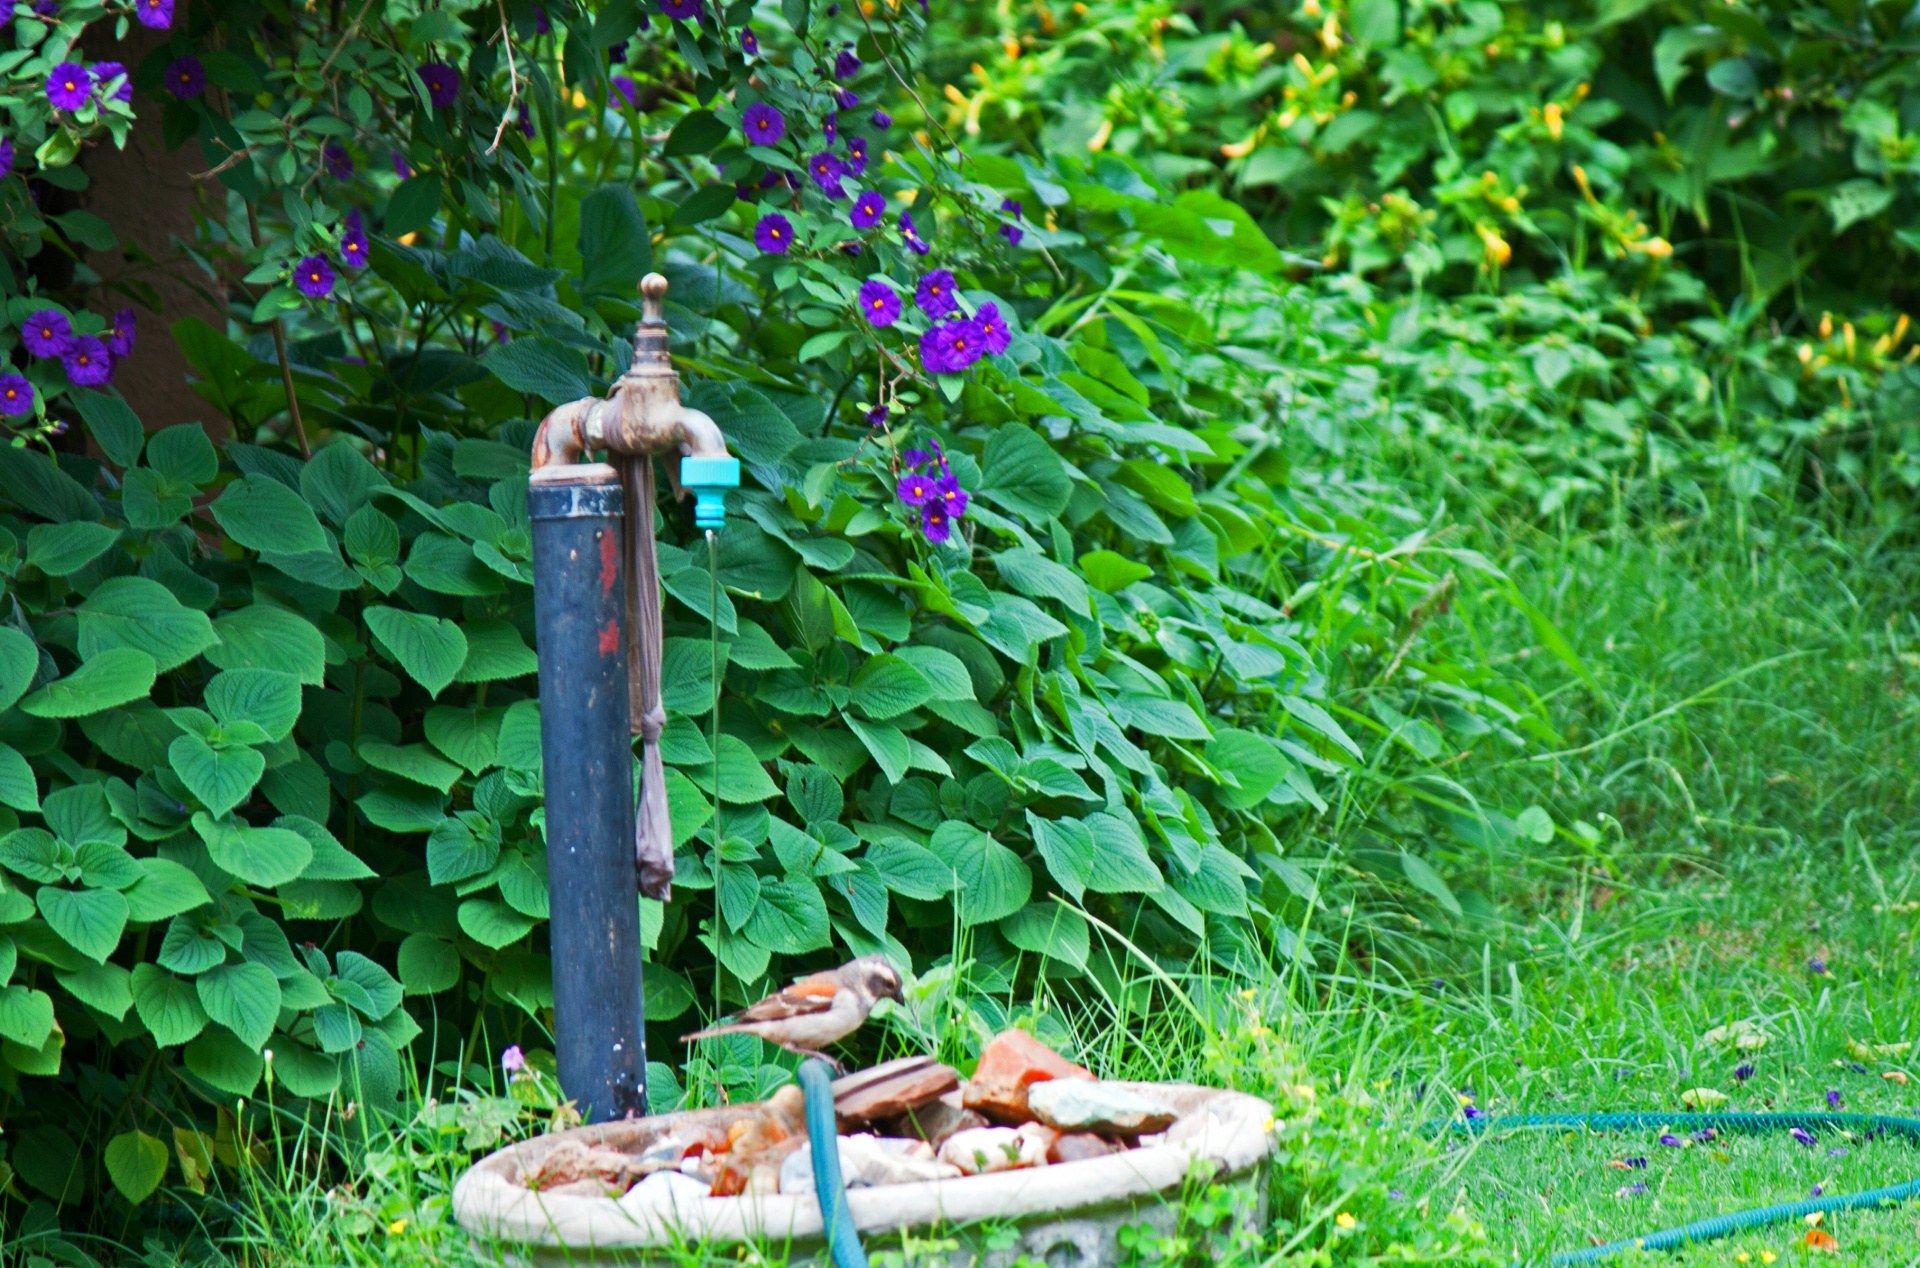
(579, 598)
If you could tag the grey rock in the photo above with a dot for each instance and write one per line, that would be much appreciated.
(1082, 1105)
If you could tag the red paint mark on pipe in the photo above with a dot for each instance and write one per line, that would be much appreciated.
(610, 638)
(609, 561)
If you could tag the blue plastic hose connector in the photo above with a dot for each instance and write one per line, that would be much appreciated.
(709, 479)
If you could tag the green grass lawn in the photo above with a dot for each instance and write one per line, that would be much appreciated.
(1736, 792)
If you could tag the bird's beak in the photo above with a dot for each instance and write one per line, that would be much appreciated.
(899, 994)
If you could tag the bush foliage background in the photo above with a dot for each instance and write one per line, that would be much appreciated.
(1190, 673)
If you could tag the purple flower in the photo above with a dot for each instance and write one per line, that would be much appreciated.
(105, 73)
(857, 155)
(845, 98)
(1705, 1136)
(993, 331)
(1471, 1112)
(749, 42)
(542, 25)
(937, 525)
(830, 130)
(339, 163)
(934, 295)
(774, 234)
(16, 395)
(120, 334)
(681, 9)
(763, 124)
(1396, 1195)
(1802, 1136)
(1833, 1098)
(88, 362)
(353, 242)
(846, 66)
(442, 83)
(1836, 1153)
(513, 1060)
(628, 91)
(876, 416)
(1815, 1192)
(1635, 1164)
(916, 488)
(878, 303)
(402, 168)
(47, 333)
(950, 496)
(1816, 965)
(1633, 1190)
(950, 347)
(1671, 1141)
(6, 156)
(916, 458)
(867, 210)
(826, 171)
(186, 77)
(157, 14)
(912, 235)
(882, 121)
(1012, 232)
(68, 86)
(1742, 1072)
(525, 119)
(314, 277)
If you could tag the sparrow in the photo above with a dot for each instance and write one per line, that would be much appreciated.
(816, 1010)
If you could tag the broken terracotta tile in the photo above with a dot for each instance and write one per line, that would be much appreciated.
(1011, 1063)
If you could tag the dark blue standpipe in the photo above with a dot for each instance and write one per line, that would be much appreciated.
(579, 588)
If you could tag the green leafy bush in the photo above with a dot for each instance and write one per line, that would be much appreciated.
(269, 745)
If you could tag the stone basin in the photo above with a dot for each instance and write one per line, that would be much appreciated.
(1066, 1215)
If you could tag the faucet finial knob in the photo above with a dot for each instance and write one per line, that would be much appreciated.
(653, 293)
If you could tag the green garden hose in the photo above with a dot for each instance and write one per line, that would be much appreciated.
(823, 1140)
(1718, 1226)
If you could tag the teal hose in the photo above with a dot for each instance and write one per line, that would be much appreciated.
(823, 1139)
(1718, 1226)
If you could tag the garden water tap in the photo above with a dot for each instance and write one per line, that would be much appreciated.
(641, 417)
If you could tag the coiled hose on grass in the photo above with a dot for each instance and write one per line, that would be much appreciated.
(1717, 1226)
(823, 1141)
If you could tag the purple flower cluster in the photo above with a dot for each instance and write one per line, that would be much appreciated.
(952, 345)
(87, 359)
(930, 488)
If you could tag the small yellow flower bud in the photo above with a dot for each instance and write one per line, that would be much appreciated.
(1826, 325)
(1098, 141)
(1555, 118)
(1346, 1221)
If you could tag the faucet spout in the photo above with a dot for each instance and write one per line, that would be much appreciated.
(699, 435)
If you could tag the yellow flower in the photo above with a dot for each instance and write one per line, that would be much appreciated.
(1498, 252)
(1556, 119)
(1767, 1256)
(579, 100)
(1657, 248)
(1240, 149)
(1345, 1220)
(1098, 141)
(1742, 1257)
(397, 1227)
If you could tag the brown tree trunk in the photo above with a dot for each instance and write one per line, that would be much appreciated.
(147, 193)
